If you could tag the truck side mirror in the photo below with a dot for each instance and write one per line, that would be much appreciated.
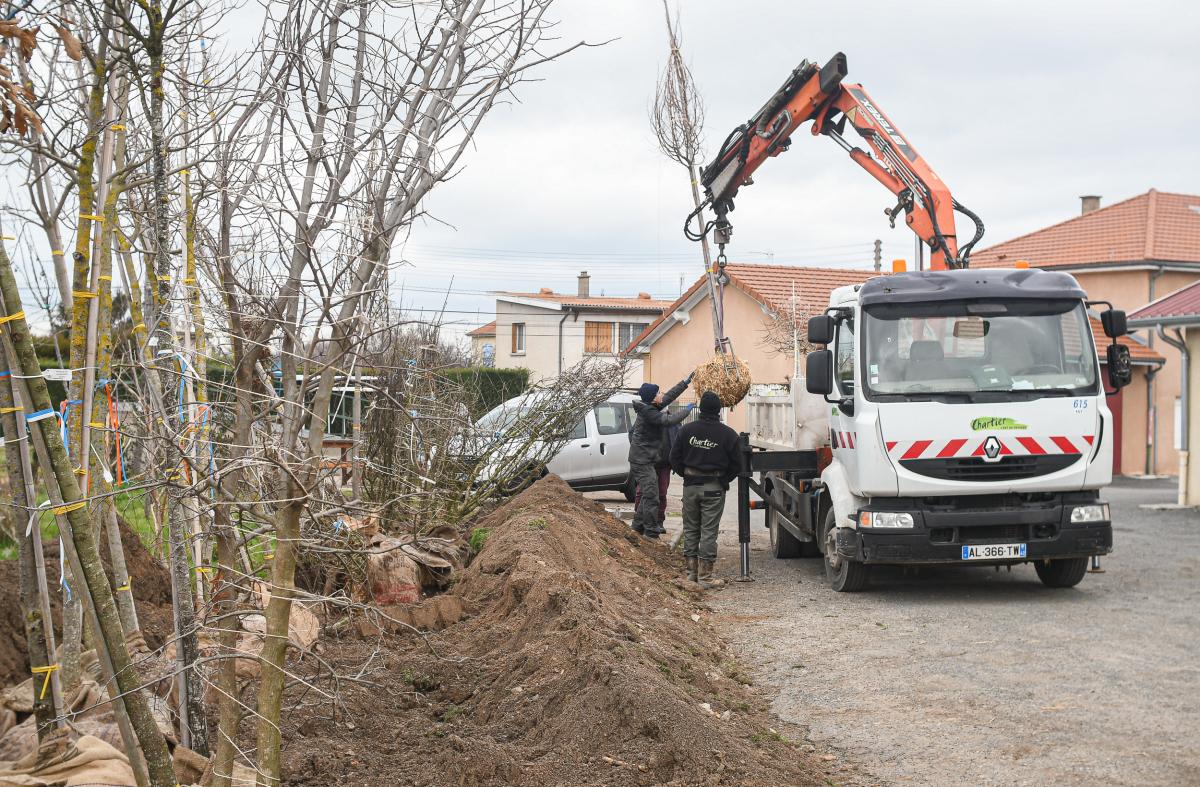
(1114, 323)
(818, 370)
(1120, 369)
(820, 330)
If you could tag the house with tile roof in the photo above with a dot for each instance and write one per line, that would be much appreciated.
(1175, 318)
(754, 300)
(1129, 253)
(548, 332)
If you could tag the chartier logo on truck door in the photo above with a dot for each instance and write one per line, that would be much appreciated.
(991, 423)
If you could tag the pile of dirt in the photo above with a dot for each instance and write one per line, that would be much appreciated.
(580, 658)
(151, 596)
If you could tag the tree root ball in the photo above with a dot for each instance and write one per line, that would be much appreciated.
(726, 375)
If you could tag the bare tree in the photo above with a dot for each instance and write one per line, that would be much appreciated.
(678, 122)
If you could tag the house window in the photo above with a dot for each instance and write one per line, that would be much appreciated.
(518, 338)
(597, 337)
(629, 331)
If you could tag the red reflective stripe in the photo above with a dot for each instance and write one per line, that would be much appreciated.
(951, 448)
(890, 446)
(979, 449)
(851, 436)
(1089, 438)
(916, 449)
(1004, 450)
(1031, 445)
(1065, 445)
(841, 439)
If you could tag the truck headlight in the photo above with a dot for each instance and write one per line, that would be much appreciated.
(884, 519)
(1092, 513)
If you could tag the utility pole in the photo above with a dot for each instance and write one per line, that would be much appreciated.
(878, 255)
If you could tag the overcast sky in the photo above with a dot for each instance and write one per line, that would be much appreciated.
(1021, 107)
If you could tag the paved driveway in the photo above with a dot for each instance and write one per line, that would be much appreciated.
(969, 676)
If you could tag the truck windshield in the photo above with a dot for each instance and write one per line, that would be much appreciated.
(966, 348)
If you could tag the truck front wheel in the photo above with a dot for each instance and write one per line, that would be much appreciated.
(1066, 573)
(844, 575)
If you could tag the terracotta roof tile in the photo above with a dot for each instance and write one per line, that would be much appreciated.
(1153, 226)
(596, 302)
(1184, 302)
(771, 285)
(484, 330)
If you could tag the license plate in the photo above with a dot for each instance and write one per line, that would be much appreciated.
(993, 552)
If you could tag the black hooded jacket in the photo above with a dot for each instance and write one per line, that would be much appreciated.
(653, 420)
(706, 446)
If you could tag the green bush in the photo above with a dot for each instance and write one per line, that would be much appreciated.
(486, 388)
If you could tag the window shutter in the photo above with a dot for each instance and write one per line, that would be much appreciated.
(597, 337)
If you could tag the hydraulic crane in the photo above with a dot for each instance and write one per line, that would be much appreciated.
(817, 94)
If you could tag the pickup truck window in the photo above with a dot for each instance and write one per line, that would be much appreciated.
(960, 349)
(610, 419)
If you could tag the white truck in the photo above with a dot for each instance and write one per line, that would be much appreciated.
(954, 416)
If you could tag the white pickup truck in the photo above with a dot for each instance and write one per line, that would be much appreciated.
(954, 417)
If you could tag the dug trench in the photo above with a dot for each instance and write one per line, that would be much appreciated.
(568, 652)
(151, 587)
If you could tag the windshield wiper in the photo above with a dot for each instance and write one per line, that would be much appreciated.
(926, 391)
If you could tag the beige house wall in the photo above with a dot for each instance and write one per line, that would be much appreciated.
(542, 330)
(477, 345)
(687, 345)
(1130, 290)
(1190, 485)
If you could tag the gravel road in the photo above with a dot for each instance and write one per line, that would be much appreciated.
(969, 676)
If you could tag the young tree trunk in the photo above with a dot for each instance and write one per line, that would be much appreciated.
(194, 729)
(83, 551)
(34, 605)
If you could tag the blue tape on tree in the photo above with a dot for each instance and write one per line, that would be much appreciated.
(39, 415)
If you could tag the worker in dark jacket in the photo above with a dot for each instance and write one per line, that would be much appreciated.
(706, 455)
(647, 449)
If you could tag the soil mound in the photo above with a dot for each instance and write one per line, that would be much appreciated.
(151, 595)
(581, 659)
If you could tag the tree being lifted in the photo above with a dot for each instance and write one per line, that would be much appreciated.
(678, 121)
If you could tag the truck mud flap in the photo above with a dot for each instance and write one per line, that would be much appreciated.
(847, 543)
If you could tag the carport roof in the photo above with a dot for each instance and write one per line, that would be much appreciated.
(1181, 307)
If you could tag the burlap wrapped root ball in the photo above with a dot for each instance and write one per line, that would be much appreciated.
(726, 375)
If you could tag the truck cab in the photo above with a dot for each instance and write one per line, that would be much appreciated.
(966, 423)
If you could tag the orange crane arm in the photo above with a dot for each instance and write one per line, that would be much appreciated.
(817, 94)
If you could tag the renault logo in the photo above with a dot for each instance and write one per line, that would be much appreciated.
(991, 448)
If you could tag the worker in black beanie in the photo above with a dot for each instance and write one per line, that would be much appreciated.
(706, 455)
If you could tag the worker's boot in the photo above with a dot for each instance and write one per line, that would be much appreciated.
(706, 578)
(693, 567)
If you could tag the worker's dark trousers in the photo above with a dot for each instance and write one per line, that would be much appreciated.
(703, 505)
(645, 517)
(664, 483)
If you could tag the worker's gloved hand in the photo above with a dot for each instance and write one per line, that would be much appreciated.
(691, 406)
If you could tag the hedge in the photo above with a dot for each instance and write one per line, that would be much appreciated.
(486, 388)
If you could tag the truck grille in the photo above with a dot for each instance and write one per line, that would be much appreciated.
(1009, 468)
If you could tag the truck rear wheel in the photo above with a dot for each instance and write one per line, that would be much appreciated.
(1066, 573)
(783, 544)
(844, 575)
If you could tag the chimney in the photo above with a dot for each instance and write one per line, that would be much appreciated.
(584, 289)
(1090, 202)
